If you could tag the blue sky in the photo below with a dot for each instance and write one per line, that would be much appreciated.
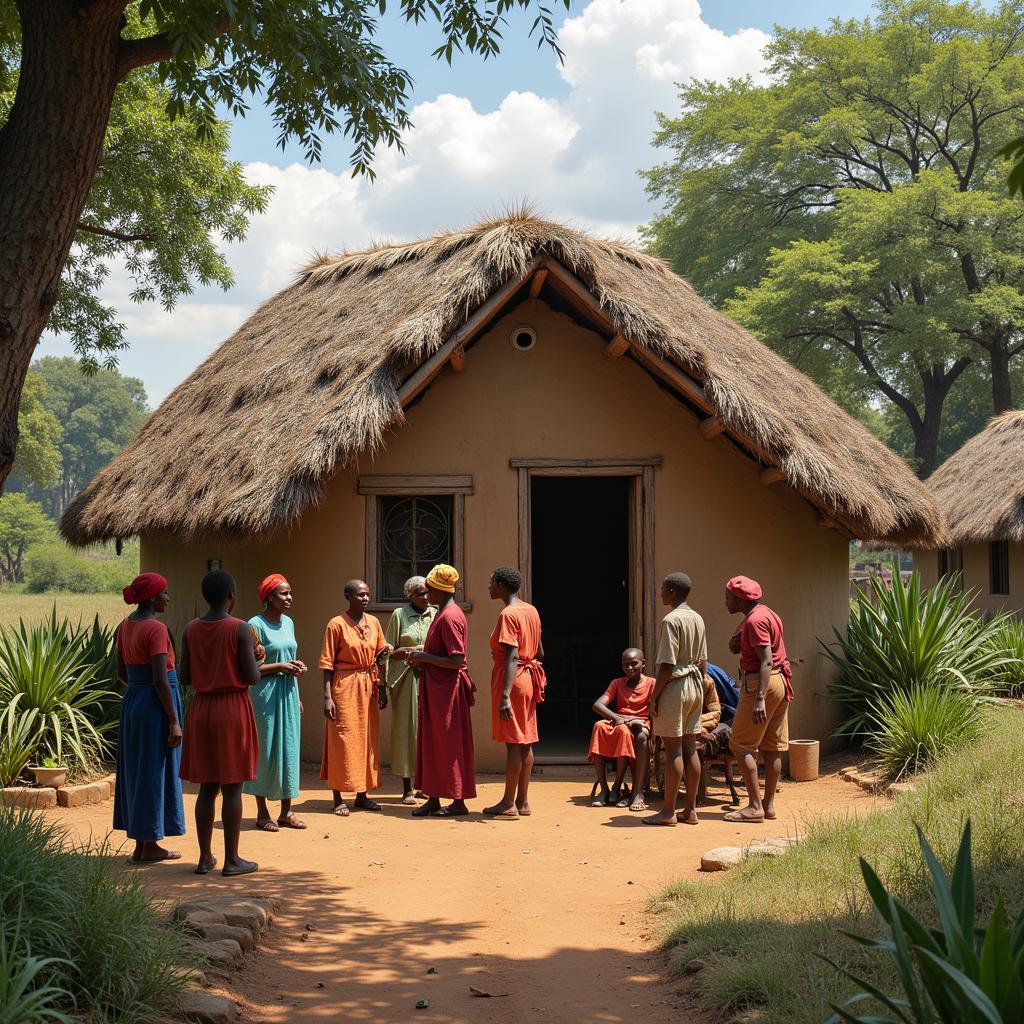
(486, 135)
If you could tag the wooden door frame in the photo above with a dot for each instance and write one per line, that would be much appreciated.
(643, 593)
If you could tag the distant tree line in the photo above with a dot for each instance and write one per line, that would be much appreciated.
(854, 213)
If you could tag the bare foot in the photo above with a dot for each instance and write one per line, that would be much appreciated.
(748, 814)
(688, 819)
(524, 810)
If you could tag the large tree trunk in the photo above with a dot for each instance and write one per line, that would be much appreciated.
(49, 151)
(936, 381)
(1002, 389)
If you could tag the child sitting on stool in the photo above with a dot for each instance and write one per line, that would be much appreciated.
(721, 695)
(623, 734)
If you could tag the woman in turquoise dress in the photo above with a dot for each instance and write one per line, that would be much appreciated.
(278, 707)
(406, 631)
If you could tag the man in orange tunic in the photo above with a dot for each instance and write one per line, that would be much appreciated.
(354, 648)
(517, 686)
(623, 735)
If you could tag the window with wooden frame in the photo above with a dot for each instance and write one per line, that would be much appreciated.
(412, 524)
(999, 567)
(951, 561)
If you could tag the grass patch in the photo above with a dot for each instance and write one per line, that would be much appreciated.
(34, 609)
(105, 948)
(757, 932)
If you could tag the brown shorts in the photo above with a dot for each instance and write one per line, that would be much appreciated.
(773, 734)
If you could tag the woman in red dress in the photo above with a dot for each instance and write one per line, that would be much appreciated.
(218, 661)
(444, 754)
(517, 686)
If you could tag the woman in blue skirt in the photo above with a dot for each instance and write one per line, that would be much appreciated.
(147, 792)
(276, 702)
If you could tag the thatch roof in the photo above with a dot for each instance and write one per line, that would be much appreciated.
(980, 489)
(336, 354)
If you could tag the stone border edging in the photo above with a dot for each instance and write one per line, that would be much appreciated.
(80, 794)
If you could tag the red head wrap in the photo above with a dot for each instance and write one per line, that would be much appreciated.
(744, 588)
(269, 585)
(143, 587)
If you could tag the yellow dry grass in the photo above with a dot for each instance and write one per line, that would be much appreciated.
(76, 607)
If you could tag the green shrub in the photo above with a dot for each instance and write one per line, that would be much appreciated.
(957, 974)
(907, 731)
(55, 567)
(118, 956)
(904, 638)
(1007, 641)
(48, 681)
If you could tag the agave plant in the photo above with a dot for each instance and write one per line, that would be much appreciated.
(1008, 642)
(909, 730)
(955, 974)
(48, 681)
(903, 638)
(17, 744)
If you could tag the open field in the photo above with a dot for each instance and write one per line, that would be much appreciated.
(36, 607)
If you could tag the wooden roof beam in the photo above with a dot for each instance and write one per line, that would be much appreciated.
(537, 283)
(458, 359)
(771, 476)
(617, 347)
(711, 427)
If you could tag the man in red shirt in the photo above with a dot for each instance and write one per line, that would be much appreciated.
(761, 722)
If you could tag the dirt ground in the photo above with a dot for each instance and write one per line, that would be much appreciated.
(548, 914)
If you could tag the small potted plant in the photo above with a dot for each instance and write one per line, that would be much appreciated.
(49, 773)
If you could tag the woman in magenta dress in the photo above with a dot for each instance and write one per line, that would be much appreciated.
(444, 753)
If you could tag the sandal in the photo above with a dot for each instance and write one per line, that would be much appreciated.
(266, 825)
(448, 812)
(749, 819)
(409, 800)
(367, 805)
(638, 805)
(291, 822)
(599, 802)
(341, 810)
(205, 869)
(166, 855)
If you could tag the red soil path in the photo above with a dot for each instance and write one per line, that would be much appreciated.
(548, 913)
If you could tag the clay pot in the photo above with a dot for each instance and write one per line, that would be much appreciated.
(803, 760)
(52, 778)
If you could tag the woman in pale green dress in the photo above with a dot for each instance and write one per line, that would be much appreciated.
(406, 632)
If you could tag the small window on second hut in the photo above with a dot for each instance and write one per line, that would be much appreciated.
(415, 533)
(999, 567)
(951, 562)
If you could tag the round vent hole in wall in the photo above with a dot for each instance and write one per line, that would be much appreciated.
(523, 338)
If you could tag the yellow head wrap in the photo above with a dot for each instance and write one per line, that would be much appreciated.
(443, 577)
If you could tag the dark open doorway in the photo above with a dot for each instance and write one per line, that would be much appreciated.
(580, 529)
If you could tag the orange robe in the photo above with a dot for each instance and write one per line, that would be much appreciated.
(351, 760)
(518, 625)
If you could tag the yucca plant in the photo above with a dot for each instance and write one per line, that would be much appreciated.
(48, 681)
(1008, 642)
(17, 743)
(909, 729)
(955, 974)
(905, 637)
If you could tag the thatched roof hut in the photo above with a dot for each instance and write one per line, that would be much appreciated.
(343, 350)
(980, 489)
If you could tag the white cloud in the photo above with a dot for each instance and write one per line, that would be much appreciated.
(576, 157)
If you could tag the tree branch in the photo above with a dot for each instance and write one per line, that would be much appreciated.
(134, 53)
(95, 229)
